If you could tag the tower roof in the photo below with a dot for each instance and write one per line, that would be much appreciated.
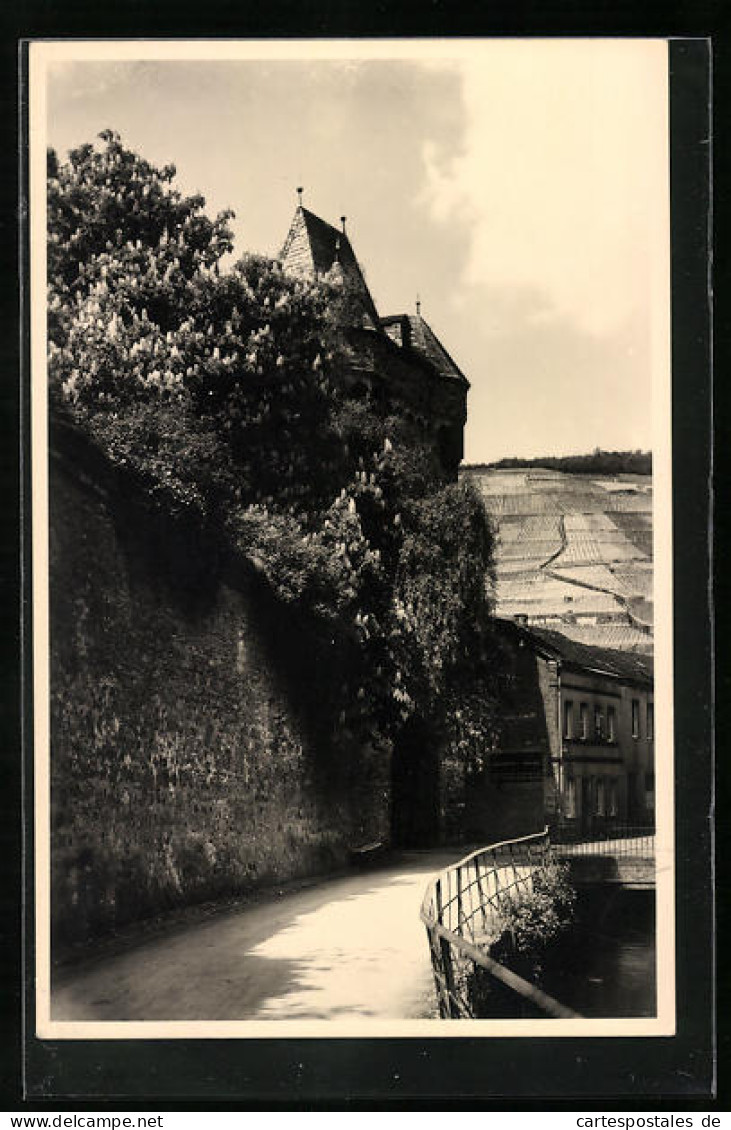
(413, 332)
(315, 248)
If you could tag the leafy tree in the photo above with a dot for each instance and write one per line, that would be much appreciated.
(106, 197)
(599, 462)
(224, 393)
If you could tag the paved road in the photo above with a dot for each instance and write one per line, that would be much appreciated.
(347, 948)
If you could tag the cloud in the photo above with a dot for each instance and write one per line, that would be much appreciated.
(514, 184)
(73, 82)
(561, 173)
(542, 385)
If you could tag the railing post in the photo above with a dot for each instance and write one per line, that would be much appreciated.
(439, 975)
(516, 877)
(481, 894)
(448, 965)
(460, 909)
(446, 1006)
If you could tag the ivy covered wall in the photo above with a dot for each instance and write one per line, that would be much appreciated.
(193, 755)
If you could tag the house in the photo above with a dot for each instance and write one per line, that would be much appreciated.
(574, 743)
(396, 360)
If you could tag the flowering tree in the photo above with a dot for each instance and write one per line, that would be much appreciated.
(224, 393)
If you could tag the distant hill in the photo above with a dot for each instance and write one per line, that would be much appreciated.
(574, 551)
(597, 463)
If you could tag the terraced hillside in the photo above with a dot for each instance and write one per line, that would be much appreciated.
(574, 552)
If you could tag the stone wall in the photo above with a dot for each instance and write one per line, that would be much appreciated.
(192, 751)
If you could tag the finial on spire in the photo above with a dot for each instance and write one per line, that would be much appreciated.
(418, 306)
(300, 190)
(342, 221)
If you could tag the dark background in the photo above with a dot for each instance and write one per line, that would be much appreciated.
(412, 1074)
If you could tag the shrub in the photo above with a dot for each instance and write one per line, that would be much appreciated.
(531, 923)
(533, 920)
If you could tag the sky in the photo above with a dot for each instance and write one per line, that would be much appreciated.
(518, 187)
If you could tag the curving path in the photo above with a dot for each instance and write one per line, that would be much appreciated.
(348, 947)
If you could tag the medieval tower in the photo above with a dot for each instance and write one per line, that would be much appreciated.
(397, 358)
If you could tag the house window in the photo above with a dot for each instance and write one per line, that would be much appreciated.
(584, 721)
(568, 719)
(650, 721)
(598, 723)
(611, 724)
(601, 808)
(571, 798)
(635, 718)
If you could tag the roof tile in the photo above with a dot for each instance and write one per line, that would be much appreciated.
(314, 247)
(413, 332)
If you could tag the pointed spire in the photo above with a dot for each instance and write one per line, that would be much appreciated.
(418, 306)
(342, 221)
(300, 190)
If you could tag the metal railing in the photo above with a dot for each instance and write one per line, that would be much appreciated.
(461, 912)
(604, 839)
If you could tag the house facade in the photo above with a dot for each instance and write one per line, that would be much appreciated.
(396, 360)
(574, 743)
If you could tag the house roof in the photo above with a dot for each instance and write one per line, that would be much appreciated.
(413, 332)
(315, 248)
(627, 666)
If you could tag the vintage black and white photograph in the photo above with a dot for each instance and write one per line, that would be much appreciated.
(352, 536)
